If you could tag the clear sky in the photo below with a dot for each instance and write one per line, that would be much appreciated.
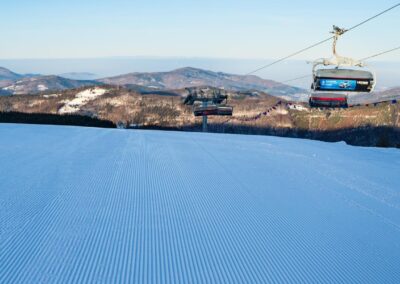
(207, 28)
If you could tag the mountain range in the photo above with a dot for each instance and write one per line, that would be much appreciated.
(193, 77)
(15, 84)
(12, 83)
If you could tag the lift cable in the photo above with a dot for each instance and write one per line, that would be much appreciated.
(364, 59)
(297, 78)
(373, 17)
(322, 41)
(381, 53)
(290, 55)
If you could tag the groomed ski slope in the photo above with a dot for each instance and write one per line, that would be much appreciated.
(83, 205)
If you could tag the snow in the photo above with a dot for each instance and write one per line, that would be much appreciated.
(10, 88)
(281, 110)
(52, 96)
(297, 107)
(86, 205)
(81, 99)
(42, 87)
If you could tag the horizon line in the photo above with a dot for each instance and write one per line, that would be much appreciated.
(151, 57)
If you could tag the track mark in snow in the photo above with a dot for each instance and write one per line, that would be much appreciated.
(163, 207)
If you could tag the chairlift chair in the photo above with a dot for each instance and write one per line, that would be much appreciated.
(219, 110)
(329, 100)
(225, 110)
(332, 86)
(348, 80)
(208, 101)
(205, 110)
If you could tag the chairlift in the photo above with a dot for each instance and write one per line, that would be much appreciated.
(225, 110)
(213, 110)
(205, 94)
(332, 86)
(208, 101)
(205, 110)
(328, 100)
(348, 80)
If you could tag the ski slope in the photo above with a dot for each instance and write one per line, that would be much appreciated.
(85, 205)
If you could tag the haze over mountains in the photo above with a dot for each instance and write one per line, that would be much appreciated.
(79, 76)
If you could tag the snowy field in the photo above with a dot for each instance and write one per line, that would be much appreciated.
(110, 206)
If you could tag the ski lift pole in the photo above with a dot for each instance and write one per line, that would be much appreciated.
(205, 117)
(337, 33)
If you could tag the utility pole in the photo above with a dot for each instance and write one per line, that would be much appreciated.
(205, 118)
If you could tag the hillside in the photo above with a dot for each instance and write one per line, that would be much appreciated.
(192, 77)
(254, 113)
(189, 208)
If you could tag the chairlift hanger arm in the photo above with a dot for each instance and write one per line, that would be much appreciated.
(337, 60)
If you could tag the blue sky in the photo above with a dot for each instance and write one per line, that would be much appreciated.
(221, 29)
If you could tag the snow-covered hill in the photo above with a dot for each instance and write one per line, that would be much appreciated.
(81, 99)
(86, 205)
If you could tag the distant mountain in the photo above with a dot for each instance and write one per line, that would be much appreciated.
(393, 93)
(8, 75)
(192, 77)
(79, 76)
(39, 84)
(13, 83)
(8, 78)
